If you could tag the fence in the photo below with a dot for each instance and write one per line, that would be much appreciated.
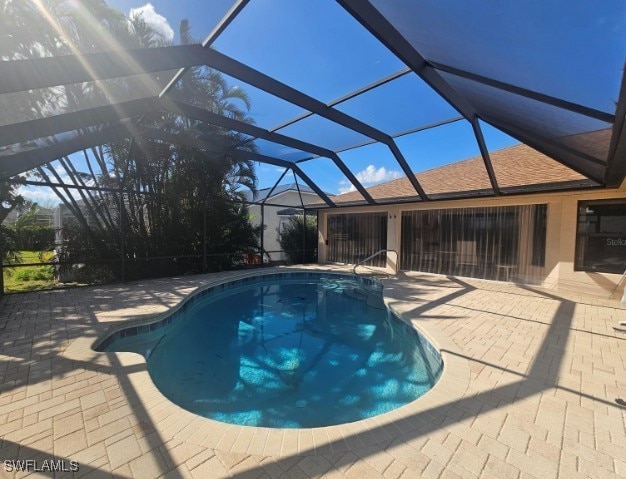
(100, 243)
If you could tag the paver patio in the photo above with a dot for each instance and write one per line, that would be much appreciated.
(528, 392)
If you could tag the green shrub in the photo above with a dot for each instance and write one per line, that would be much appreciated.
(291, 240)
(34, 273)
(92, 273)
(8, 245)
(34, 237)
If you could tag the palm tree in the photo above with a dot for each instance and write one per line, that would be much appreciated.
(191, 184)
(172, 188)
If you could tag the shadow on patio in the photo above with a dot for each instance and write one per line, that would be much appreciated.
(40, 361)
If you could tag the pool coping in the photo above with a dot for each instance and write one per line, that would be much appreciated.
(174, 422)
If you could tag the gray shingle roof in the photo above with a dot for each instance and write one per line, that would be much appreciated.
(260, 195)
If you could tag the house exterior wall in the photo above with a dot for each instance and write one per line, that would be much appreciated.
(562, 216)
(62, 216)
(43, 217)
(272, 220)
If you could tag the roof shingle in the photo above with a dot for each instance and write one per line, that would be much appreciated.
(515, 166)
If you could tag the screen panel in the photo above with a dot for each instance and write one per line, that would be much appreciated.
(571, 51)
(47, 102)
(63, 28)
(516, 164)
(326, 175)
(325, 133)
(276, 150)
(496, 139)
(9, 150)
(447, 158)
(438, 146)
(402, 104)
(267, 176)
(261, 108)
(378, 171)
(315, 47)
(588, 135)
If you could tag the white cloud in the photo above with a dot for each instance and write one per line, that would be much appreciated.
(155, 20)
(345, 187)
(62, 172)
(371, 175)
(39, 195)
(43, 195)
(269, 168)
(368, 177)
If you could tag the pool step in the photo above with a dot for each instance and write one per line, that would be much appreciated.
(373, 299)
(355, 293)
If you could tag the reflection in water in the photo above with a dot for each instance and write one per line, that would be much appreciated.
(292, 354)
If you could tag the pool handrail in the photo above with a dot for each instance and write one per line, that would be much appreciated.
(372, 256)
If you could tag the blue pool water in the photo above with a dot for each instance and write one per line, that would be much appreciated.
(297, 351)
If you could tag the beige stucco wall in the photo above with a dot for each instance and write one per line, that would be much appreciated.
(560, 236)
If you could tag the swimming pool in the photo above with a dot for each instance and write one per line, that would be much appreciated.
(295, 350)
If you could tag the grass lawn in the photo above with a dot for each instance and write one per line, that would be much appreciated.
(29, 278)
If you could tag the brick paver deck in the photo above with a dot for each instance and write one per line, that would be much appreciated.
(527, 392)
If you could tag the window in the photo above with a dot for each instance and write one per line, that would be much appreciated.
(282, 226)
(601, 236)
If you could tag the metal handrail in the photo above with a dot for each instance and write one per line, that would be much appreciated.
(372, 256)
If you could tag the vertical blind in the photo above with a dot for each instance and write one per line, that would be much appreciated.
(502, 243)
(354, 237)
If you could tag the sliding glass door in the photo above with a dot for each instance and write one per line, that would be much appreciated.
(502, 243)
(355, 236)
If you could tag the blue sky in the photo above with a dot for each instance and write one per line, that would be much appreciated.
(333, 57)
(319, 49)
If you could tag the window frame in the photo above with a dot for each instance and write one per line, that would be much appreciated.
(577, 252)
